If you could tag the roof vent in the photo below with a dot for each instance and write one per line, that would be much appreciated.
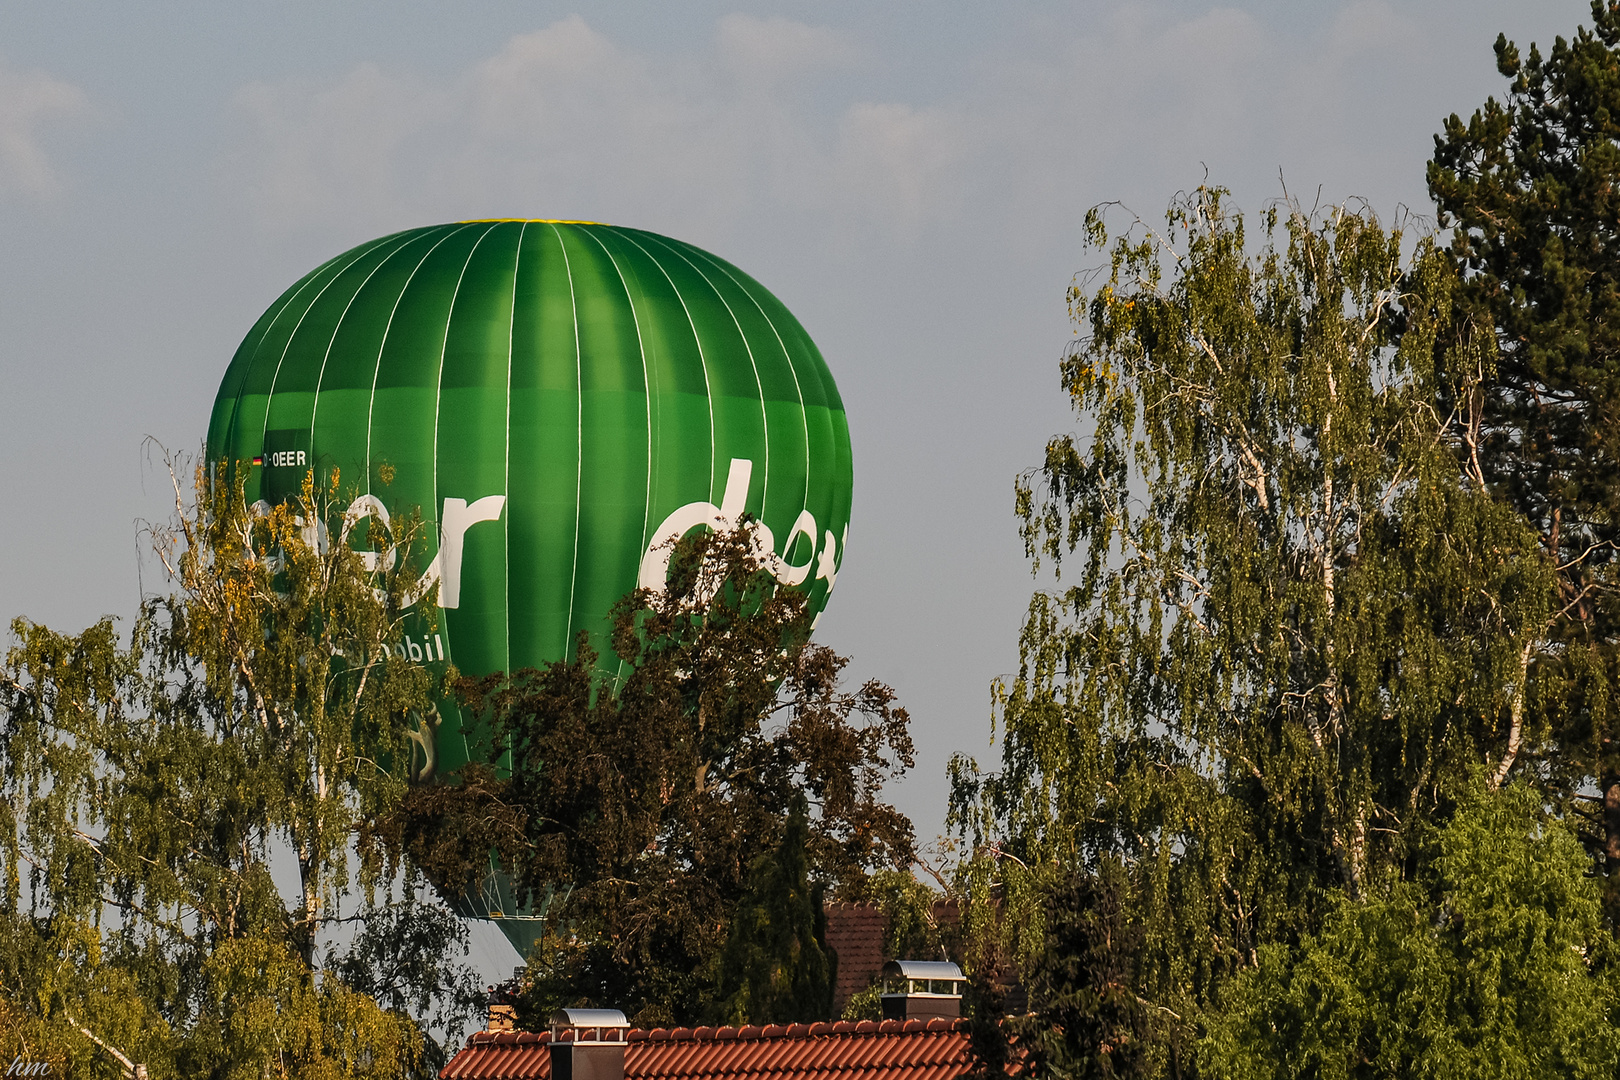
(588, 1044)
(921, 989)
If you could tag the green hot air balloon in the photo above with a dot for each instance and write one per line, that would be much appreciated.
(558, 399)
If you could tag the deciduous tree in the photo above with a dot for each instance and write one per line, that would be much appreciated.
(1298, 619)
(643, 800)
(150, 789)
(1492, 960)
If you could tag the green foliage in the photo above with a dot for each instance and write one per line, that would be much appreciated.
(1531, 189)
(1087, 1020)
(1493, 962)
(911, 929)
(775, 968)
(645, 801)
(148, 790)
(918, 924)
(1297, 621)
(34, 1039)
(864, 1004)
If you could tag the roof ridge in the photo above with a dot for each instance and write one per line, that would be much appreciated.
(746, 1032)
(816, 1029)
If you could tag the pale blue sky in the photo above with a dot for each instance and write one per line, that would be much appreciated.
(909, 178)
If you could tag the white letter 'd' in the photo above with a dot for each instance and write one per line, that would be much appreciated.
(655, 563)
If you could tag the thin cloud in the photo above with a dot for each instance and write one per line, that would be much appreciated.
(748, 130)
(564, 122)
(31, 101)
(765, 51)
(320, 149)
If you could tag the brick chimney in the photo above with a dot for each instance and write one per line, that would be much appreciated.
(921, 989)
(588, 1044)
(502, 1011)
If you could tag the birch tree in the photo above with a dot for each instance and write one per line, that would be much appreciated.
(1285, 619)
(150, 789)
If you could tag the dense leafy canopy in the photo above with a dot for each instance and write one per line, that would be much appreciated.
(649, 803)
(1298, 621)
(152, 789)
(1492, 961)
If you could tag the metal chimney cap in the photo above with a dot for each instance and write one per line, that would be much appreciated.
(924, 969)
(921, 990)
(589, 1018)
(589, 1025)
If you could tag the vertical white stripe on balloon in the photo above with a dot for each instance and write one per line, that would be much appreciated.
(764, 417)
(506, 470)
(646, 383)
(438, 386)
(438, 399)
(285, 302)
(646, 375)
(702, 355)
(282, 359)
(579, 441)
(321, 378)
(371, 405)
(804, 414)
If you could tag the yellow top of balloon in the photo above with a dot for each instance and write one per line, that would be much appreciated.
(531, 221)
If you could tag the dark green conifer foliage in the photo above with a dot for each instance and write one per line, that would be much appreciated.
(1291, 620)
(1086, 1020)
(1530, 186)
(775, 968)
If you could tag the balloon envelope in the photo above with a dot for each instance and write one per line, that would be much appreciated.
(557, 399)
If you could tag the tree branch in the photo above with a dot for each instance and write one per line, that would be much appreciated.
(130, 1067)
(1515, 731)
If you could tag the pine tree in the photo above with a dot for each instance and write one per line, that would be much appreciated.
(1530, 188)
(775, 968)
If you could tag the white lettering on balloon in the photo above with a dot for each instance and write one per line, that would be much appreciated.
(457, 516)
(661, 545)
(454, 521)
(654, 571)
(786, 572)
(369, 506)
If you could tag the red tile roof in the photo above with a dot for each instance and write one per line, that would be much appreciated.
(868, 1050)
